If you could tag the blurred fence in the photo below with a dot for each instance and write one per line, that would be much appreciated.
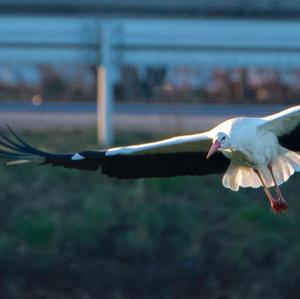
(107, 43)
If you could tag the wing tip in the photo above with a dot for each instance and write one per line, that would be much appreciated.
(15, 149)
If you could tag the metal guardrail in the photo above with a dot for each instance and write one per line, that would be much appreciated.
(109, 42)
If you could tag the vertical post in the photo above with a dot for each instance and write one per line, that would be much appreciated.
(104, 90)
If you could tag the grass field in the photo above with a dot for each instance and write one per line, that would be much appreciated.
(71, 234)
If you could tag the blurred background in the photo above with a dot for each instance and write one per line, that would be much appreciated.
(76, 73)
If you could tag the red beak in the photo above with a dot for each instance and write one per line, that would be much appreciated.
(216, 145)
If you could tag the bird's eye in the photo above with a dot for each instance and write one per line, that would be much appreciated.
(223, 138)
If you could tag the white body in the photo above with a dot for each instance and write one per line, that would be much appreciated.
(253, 145)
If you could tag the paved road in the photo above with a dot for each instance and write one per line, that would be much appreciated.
(137, 117)
(136, 108)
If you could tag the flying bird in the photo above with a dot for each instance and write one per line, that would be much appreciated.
(251, 152)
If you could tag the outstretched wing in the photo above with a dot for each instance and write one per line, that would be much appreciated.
(184, 155)
(286, 125)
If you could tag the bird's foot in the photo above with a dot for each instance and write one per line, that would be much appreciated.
(279, 205)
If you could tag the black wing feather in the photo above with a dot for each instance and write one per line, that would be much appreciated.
(164, 165)
(118, 166)
(291, 141)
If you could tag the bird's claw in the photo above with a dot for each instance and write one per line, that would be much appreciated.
(279, 205)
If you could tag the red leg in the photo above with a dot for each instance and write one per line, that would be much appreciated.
(284, 205)
(276, 204)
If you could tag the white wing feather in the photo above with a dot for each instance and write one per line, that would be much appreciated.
(282, 123)
(186, 143)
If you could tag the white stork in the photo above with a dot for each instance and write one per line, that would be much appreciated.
(252, 152)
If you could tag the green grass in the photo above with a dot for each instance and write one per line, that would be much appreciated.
(72, 234)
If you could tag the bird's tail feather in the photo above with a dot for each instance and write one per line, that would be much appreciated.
(294, 159)
(240, 176)
(283, 166)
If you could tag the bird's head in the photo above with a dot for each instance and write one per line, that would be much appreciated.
(220, 142)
